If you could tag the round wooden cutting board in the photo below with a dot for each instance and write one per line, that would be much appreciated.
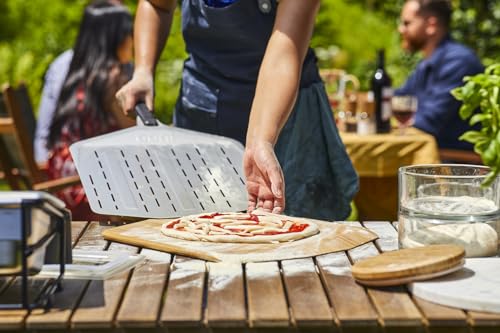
(407, 265)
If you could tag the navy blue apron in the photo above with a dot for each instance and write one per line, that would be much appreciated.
(226, 46)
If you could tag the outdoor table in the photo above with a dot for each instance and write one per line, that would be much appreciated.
(377, 158)
(179, 294)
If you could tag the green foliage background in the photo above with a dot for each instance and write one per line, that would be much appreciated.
(347, 34)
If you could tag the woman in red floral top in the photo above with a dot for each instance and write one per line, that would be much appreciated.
(86, 106)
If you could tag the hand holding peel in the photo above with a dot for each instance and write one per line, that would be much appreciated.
(139, 89)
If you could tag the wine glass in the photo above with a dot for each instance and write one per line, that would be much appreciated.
(403, 109)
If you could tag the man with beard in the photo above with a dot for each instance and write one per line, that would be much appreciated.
(425, 27)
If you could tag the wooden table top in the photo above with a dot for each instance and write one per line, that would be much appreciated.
(381, 155)
(176, 293)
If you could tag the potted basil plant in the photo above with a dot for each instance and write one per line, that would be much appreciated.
(482, 92)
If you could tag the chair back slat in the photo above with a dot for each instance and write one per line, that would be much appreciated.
(459, 156)
(20, 145)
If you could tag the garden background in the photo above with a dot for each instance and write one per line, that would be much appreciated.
(347, 35)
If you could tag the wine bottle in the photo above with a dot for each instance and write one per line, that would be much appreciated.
(382, 92)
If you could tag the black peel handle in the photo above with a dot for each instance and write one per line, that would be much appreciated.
(147, 117)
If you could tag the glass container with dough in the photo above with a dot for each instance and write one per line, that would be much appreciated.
(447, 204)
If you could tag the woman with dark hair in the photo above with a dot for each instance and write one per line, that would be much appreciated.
(86, 106)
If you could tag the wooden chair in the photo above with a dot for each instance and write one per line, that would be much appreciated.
(17, 131)
(459, 156)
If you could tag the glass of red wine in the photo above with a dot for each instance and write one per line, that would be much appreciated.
(403, 109)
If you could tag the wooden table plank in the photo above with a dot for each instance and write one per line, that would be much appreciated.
(267, 296)
(15, 319)
(388, 236)
(267, 305)
(4, 283)
(58, 316)
(476, 319)
(77, 230)
(342, 289)
(484, 320)
(101, 300)
(437, 316)
(225, 295)
(184, 296)
(141, 304)
(394, 305)
(92, 239)
(12, 319)
(306, 296)
(440, 316)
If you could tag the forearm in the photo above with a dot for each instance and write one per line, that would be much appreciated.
(152, 27)
(279, 76)
(275, 93)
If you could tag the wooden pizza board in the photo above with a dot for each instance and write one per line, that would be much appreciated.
(407, 265)
(332, 237)
(475, 287)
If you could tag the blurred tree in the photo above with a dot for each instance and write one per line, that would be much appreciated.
(347, 34)
(32, 35)
(476, 23)
(353, 29)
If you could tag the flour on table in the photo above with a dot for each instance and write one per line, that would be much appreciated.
(221, 274)
(261, 270)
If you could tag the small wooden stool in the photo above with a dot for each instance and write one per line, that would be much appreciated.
(408, 265)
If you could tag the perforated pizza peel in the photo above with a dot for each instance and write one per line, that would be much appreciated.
(408, 265)
(156, 171)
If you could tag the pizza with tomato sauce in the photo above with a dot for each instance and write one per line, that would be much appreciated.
(254, 227)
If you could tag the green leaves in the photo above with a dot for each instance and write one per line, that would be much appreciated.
(483, 91)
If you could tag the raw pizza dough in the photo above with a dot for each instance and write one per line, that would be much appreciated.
(478, 239)
(255, 227)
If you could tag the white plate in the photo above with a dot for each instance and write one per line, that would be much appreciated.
(475, 287)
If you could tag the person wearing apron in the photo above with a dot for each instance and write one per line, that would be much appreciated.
(251, 76)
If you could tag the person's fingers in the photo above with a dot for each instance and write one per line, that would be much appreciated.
(265, 181)
(126, 100)
(275, 175)
(120, 97)
(276, 179)
(267, 205)
(269, 166)
(149, 102)
(251, 206)
(278, 205)
(277, 210)
(252, 202)
(260, 203)
(130, 102)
